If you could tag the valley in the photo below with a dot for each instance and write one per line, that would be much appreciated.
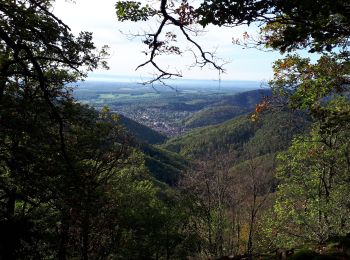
(173, 110)
(205, 147)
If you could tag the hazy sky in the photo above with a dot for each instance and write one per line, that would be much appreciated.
(99, 17)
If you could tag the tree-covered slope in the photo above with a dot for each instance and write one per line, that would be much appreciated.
(227, 108)
(213, 115)
(163, 165)
(247, 99)
(142, 132)
(272, 132)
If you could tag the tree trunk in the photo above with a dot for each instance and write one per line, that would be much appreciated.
(64, 237)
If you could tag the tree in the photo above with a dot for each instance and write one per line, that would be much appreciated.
(209, 186)
(312, 203)
(40, 126)
(286, 25)
(253, 184)
(39, 56)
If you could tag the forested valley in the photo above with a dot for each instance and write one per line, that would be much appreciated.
(153, 172)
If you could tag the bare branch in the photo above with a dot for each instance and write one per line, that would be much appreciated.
(157, 47)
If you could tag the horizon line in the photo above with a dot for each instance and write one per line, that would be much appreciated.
(136, 79)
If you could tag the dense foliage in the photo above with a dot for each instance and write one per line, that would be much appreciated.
(141, 132)
(271, 133)
(228, 107)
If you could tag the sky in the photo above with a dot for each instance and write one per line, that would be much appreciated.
(126, 54)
